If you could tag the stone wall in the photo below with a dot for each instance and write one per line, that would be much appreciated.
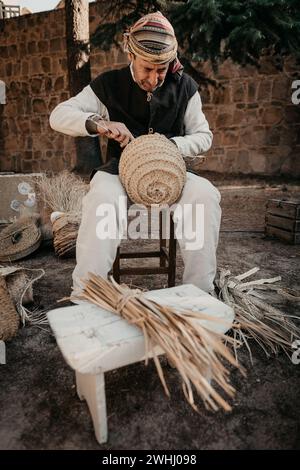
(255, 125)
(34, 68)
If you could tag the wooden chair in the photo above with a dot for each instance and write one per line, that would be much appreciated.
(166, 255)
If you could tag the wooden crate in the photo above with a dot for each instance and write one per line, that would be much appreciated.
(283, 220)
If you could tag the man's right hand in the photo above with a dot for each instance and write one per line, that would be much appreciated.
(115, 130)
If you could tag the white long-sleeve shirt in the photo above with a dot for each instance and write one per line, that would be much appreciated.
(69, 117)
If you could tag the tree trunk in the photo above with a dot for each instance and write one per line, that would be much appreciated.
(2, 144)
(78, 57)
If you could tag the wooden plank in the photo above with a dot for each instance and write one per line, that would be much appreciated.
(291, 237)
(141, 254)
(132, 271)
(286, 223)
(289, 208)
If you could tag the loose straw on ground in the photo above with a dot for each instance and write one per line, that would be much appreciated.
(255, 319)
(193, 349)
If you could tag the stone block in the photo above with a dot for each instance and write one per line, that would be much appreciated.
(272, 116)
(13, 51)
(24, 67)
(48, 84)
(24, 125)
(4, 52)
(32, 47)
(254, 136)
(264, 90)
(238, 92)
(43, 46)
(282, 88)
(59, 84)
(222, 95)
(224, 120)
(16, 69)
(46, 64)
(36, 85)
(8, 69)
(251, 91)
(35, 66)
(36, 125)
(230, 138)
(239, 117)
(55, 45)
(52, 103)
(39, 106)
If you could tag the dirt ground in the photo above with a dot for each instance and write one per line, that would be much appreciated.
(39, 408)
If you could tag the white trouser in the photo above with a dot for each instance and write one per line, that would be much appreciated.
(97, 255)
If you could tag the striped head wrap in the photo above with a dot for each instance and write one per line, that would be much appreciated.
(153, 39)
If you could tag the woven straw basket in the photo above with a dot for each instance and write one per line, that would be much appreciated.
(19, 239)
(9, 318)
(16, 282)
(152, 170)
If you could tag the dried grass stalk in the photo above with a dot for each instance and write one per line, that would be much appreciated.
(192, 348)
(255, 319)
(63, 192)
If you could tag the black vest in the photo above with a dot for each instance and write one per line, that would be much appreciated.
(127, 102)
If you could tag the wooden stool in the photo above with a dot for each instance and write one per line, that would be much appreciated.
(167, 257)
(95, 341)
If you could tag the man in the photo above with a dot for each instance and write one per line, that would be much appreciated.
(152, 94)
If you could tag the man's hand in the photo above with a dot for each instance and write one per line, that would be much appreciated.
(115, 130)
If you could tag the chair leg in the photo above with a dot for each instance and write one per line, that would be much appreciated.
(92, 389)
(172, 255)
(116, 267)
(162, 242)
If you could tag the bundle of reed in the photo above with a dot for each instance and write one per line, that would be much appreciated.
(256, 319)
(63, 192)
(62, 195)
(192, 348)
(65, 230)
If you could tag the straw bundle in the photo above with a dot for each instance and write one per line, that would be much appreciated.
(63, 194)
(255, 319)
(152, 170)
(190, 346)
(20, 239)
(65, 230)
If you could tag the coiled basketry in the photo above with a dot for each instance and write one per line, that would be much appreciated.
(152, 170)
